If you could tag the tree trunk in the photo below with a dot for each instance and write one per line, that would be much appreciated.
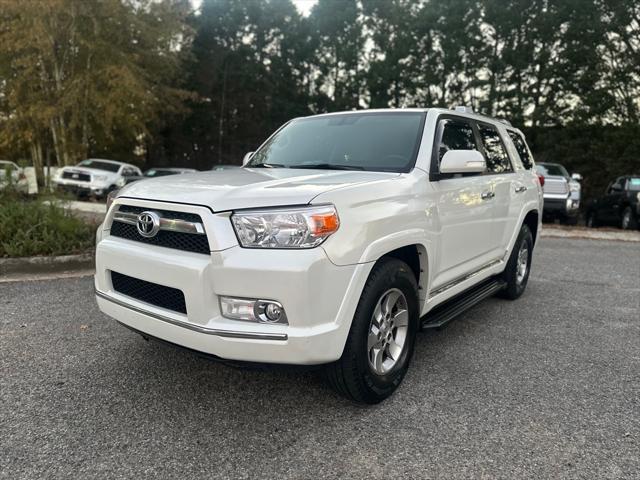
(36, 158)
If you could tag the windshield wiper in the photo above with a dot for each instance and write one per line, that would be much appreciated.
(328, 166)
(267, 165)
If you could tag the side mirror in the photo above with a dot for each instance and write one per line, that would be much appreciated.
(576, 176)
(462, 161)
(246, 158)
(616, 187)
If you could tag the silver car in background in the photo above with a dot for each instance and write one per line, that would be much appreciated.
(562, 193)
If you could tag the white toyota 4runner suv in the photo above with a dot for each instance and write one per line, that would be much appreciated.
(341, 237)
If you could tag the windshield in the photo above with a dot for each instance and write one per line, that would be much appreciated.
(6, 166)
(552, 169)
(99, 165)
(634, 184)
(386, 142)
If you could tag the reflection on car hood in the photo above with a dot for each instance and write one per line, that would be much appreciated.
(248, 187)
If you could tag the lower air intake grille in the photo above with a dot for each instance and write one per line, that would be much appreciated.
(148, 292)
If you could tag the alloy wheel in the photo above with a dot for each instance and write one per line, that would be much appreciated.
(388, 331)
(522, 264)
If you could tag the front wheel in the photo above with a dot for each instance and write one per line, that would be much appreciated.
(379, 347)
(569, 220)
(629, 220)
(591, 220)
(516, 273)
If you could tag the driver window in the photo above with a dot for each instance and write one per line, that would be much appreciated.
(456, 135)
(616, 186)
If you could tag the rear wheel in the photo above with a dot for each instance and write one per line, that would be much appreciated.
(629, 220)
(379, 347)
(516, 273)
(568, 220)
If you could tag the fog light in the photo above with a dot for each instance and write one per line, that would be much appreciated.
(273, 312)
(252, 310)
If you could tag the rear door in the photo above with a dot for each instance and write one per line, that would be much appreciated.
(610, 211)
(508, 189)
(464, 207)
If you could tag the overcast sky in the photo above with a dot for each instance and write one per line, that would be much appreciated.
(304, 6)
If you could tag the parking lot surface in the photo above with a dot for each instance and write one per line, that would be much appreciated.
(544, 387)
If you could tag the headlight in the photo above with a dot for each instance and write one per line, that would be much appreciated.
(304, 227)
(100, 178)
(574, 186)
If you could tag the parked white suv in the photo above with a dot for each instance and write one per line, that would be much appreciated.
(95, 177)
(12, 176)
(341, 237)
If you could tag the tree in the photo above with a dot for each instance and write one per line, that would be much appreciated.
(88, 73)
(337, 27)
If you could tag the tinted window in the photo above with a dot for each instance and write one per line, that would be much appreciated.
(552, 169)
(634, 184)
(154, 172)
(496, 154)
(617, 186)
(360, 141)
(456, 135)
(98, 165)
(521, 148)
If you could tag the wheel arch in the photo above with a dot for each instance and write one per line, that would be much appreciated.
(532, 220)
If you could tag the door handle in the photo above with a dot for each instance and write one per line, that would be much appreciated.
(521, 189)
(487, 195)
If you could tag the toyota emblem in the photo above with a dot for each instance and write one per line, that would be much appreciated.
(148, 224)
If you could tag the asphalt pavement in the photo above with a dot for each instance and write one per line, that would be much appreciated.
(547, 386)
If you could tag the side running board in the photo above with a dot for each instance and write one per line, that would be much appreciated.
(447, 311)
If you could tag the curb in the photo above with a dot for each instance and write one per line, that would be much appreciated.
(39, 265)
(591, 234)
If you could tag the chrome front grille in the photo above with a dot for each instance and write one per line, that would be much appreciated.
(555, 187)
(79, 176)
(177, 230)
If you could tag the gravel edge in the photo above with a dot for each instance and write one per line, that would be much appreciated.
(43, 265)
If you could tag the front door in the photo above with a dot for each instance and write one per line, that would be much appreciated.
(465, 209)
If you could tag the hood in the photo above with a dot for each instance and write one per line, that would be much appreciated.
(248, 187)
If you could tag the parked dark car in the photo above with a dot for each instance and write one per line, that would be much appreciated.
(619, 206)
(161, 172)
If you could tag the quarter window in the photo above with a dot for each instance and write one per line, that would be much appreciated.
(456, 135)
(496, 154)
(521, 148)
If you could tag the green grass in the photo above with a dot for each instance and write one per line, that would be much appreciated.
(31, 227)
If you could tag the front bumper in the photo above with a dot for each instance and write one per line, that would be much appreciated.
(81, 188)
(319, 298)
(561, 205)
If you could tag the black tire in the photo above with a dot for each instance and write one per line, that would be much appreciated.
(571, 221)
(516, 284)
(628, 221)
(592, 222)
(352, 375)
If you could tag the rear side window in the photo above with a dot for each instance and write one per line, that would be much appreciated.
(456, 135)
(496, 153)
(521, 148)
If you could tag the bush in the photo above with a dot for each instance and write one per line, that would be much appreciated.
(30, 227)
